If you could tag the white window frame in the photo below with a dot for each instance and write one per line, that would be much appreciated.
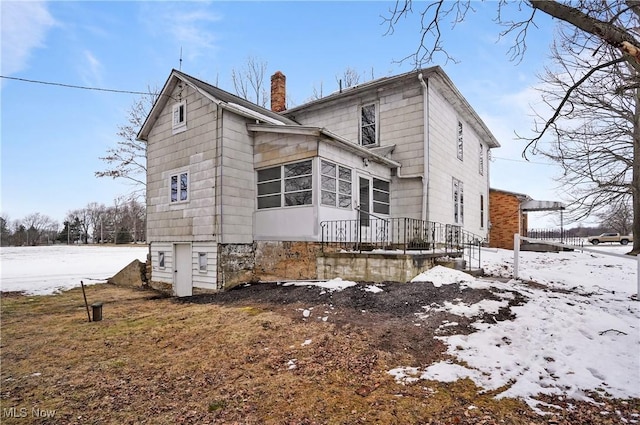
(283, 192)
(481, 159)
(202, 262)
(460, 141)
(458, 201)
(179, 117)
(341, 199)
(161, 260)
(381, 197)
(179, 189)
(482, 210)
(375, 124)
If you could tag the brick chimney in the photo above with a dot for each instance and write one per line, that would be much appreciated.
(278, 92)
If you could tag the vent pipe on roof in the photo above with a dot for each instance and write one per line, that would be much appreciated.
(278, 92)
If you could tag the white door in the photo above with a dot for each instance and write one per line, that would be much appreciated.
(182, 270)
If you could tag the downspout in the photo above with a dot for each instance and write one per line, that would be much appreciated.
(425, 132)
(424, 210)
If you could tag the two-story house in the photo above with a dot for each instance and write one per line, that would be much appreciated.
(238, 193)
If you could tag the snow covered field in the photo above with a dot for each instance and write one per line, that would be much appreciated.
(42, 270)
(581, 336)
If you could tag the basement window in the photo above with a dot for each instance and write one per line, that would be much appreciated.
(202, 261)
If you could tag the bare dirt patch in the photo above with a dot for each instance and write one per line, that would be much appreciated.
(261, 354)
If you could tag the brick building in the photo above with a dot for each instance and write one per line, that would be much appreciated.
(506, 217)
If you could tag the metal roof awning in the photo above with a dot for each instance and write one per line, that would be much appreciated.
(533, 205)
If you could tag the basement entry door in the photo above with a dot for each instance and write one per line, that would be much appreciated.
(182, 270)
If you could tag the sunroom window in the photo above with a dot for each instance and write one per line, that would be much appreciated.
(335, 185)
(285, 185)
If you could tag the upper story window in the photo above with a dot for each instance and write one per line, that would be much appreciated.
(179, 117)
(179, 187)
(285, 185)
(368, 125)
(335, 185)
(460, 141)
(481, 159)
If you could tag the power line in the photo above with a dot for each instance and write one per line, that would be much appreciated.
(520, 160)
(75, 86)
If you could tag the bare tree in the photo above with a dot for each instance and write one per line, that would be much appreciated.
(592, 139)
(617, 217)
(349, 78)
(614, 24)
(248, 82)
(128, 160)
(36, 226)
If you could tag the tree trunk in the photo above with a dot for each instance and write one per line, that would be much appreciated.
(635, 179)
(605, 30)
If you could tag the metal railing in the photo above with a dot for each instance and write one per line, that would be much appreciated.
(405, 234)
(555, 235)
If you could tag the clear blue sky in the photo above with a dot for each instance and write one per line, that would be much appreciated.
(52, 136)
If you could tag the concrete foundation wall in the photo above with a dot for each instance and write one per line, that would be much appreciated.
(373, 267)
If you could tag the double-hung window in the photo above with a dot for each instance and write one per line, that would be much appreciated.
(179, 187)
(481, 164)
(336, 185)
(458, 202)
(285, 185)
(368, 125)
(179, 117)
(460, 141)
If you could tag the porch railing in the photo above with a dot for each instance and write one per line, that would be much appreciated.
(405, 234)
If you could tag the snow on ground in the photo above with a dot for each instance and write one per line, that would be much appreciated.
(582, 336)
(41, 270)
(567, 342)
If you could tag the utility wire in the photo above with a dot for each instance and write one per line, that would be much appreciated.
(75, 86)
(520, 160)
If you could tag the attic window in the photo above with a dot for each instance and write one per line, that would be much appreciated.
(179, 114)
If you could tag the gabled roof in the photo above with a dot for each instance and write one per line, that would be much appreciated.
(218, 96)
(435, 73)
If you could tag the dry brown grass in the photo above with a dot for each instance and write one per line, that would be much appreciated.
(152, 360)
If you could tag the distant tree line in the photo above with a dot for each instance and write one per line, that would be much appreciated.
(122, 222)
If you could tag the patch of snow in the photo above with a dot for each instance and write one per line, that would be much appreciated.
(336, 284)
(440, 275)
(373, 288)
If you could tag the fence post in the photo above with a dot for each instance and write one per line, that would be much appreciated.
(516, 254)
